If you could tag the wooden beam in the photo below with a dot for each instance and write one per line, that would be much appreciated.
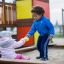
(9, 3)
(47, 1)
(25, 49)
(24, 22)
(16, 61)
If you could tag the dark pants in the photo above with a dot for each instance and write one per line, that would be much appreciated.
(42, 46)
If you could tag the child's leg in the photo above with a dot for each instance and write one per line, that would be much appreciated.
(39, 46)
(20, 56)
(44, 49)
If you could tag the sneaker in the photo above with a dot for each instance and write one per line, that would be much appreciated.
(38, 57)
(44, 59)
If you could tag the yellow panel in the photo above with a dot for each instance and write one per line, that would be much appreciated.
(36, 35)
(23, 8)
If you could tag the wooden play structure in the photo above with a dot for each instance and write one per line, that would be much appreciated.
(17, 14)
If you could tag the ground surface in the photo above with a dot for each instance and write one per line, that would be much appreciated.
(56, 56)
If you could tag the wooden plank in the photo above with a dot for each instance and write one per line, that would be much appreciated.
(16, 61)
(26, 49)
(47, 1)
(24, 22)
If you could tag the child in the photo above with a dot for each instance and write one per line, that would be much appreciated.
(8, 45)
(45, 28)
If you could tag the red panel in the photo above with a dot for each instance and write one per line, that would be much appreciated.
(22, 31)
(42, 4)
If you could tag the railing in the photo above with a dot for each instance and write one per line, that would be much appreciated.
(8, 14)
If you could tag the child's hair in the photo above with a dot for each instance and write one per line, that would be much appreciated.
(39, 10)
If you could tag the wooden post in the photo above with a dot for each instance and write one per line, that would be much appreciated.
(11, 14)
(7, 14)
(4, 13)
(3, 19)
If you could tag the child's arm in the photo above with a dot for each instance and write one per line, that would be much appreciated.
(19, 43)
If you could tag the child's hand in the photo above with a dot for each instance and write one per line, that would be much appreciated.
(26, 38)
(50, 38)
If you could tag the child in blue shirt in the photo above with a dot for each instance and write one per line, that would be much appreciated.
(45, 28)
